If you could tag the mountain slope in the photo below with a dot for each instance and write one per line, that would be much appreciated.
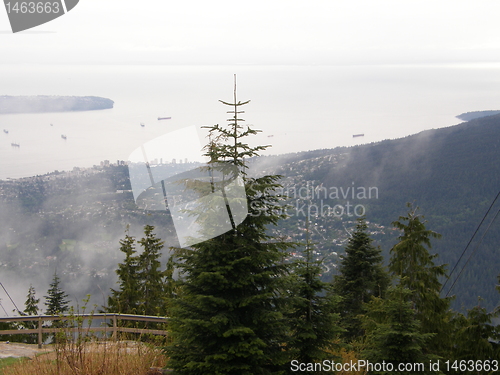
(75, 219)
(452, 174)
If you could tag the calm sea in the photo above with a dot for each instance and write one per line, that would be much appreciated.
(297, 107)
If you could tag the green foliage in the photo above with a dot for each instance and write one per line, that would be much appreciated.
(228, 317)
(142, 284)
(411, 260)
(55, 300)
(361, 277)
(152, 279)
(412, 263)
(393, 332)
(9, 361)
(126, 298)
(476, 337)
(31, 303)
(478, 328)
(314, 323)
(31, 308)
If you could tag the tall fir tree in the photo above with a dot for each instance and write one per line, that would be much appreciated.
(414, 265)
(361, 276)
(56, 298)
(475, 338)
(152, 289)
(142, 284)
(125, 300)
(56, 302)
(30, 308)
(229, 314)
(314, 323)
(31, 303)
(393, 334)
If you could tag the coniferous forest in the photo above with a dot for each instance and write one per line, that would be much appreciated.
(242, 304)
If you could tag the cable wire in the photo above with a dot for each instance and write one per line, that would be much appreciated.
(473, 252)
(3, 309)
(11, 300)
(468, 244)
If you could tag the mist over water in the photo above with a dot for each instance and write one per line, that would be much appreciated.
(297, 108)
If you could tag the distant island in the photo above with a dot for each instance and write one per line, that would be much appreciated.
(476, 114)
(45, 103)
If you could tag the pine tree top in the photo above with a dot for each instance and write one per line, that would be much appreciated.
(55, 300)
(31, 304)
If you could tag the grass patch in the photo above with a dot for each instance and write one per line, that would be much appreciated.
(4, 362)
(92, 358)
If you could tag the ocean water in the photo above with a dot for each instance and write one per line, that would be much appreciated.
(297, 108)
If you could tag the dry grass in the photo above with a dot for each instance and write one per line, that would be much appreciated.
(109, 358)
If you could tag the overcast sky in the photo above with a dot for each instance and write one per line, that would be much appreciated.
(261, 32)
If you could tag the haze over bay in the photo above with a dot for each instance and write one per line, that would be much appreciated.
(297, 108)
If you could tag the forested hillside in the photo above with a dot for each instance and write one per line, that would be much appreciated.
(74, 220)
(452, 174)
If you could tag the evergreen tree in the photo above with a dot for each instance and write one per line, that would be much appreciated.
(55, 300)
(31, 308)
(125, 300)
(394, 334)
(361, 277)
(228, 317)
(476, 338)
(313, 319)
(151, 279)
(31, 303)
(142, 285)
(414, 265)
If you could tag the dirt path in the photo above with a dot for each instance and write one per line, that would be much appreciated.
(20, 350)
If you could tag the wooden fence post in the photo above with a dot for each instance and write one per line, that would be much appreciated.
(115, 328)
(39, 333)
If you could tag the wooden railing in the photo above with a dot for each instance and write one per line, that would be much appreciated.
(114, 329)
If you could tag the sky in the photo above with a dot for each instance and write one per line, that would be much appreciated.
(261, 32)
